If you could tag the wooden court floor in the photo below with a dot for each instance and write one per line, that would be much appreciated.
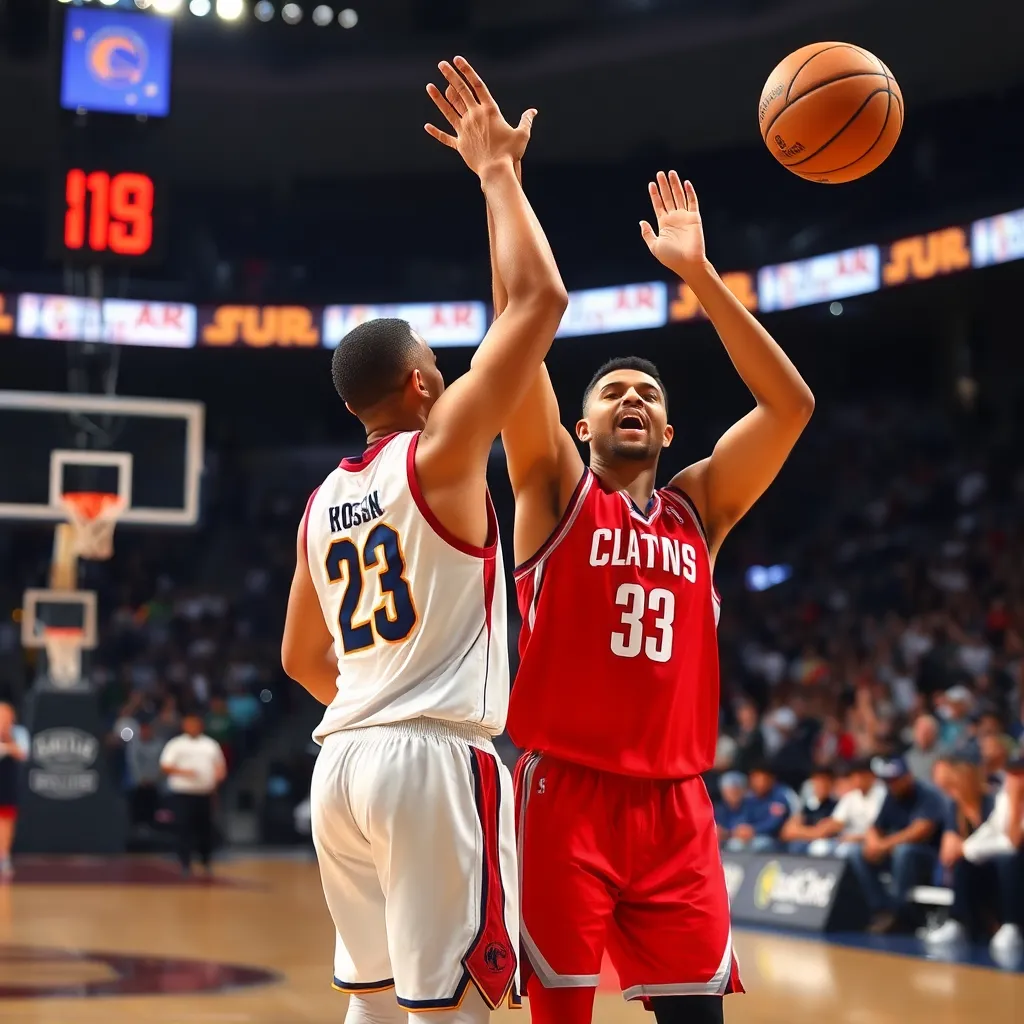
(262, 941)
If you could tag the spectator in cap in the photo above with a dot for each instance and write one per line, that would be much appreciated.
(729, 811)
(924, 751)
(816, 805)
(903, 841)
(987, 869)
(955, 711)
(766, 809)
(843, 831)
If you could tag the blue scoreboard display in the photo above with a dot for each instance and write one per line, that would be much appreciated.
(116, 62)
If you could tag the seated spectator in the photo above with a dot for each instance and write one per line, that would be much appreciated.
(955, 708)
(816, 805)
(944, 773)
(218, 724)
(730, 809)
(903, 840)
(987, 865)
(924, 751)
(749, 738)
(843, 831)
(767, 807)
(243, 707)
(994, 751)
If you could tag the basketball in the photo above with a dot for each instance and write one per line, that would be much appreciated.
(830, 112)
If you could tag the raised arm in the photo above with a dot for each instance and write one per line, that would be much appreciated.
(543, 462)
(749, 455)
(466, 419)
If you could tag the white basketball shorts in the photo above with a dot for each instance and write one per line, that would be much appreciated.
(414, 828)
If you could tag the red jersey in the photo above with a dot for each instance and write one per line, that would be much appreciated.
(619, 646)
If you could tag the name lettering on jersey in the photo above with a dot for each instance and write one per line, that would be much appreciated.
(645, 551)
(352, 513)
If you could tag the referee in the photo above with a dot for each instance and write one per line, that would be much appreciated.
(194, 765)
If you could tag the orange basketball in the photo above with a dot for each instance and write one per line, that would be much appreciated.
(830, 112)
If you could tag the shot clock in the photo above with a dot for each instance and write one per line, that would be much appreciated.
(108, 215)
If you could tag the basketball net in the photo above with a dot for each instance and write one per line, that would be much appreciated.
(63, 655)
(92, 516)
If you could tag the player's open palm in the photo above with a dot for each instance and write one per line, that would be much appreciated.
(482, 135)
(679, 240)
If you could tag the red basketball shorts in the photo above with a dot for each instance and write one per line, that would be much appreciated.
(625, 864)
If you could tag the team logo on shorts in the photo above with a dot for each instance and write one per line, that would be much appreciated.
(495, 956)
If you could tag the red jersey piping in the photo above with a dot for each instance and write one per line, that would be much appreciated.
(487, 551)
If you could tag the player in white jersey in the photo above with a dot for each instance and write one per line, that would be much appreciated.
(396, 621)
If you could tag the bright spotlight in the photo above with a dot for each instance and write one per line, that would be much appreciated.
(109, 3)
(322, 15)
(348, 18)
(291, 13)
(167, 6)
(143, 4)
(264, 10)
(229, 10)
(836, 309)
(200, 8)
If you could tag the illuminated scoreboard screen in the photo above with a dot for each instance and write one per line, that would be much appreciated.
(108, 216)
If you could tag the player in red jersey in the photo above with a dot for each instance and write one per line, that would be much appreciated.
(617, 697)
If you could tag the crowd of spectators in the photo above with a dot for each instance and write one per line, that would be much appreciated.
(873, 703)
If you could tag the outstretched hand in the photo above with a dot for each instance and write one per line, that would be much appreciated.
(482, 136)
(679, 241)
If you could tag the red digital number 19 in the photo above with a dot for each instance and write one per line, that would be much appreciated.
(105, 212)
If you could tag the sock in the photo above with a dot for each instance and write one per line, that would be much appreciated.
(688, 1009)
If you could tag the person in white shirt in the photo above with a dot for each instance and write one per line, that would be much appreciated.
(194, 765)
(988, 870)
(843, 831)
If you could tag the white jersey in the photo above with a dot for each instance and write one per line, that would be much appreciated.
(418, 616)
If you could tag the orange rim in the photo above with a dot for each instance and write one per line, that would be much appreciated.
(90, 504)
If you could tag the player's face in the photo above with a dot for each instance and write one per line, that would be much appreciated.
(626, 418)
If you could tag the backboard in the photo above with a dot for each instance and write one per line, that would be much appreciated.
(148, 451)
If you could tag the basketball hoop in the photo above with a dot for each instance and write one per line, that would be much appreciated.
(63, 654)
(93, 516)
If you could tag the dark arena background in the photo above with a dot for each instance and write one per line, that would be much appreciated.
(199, 199)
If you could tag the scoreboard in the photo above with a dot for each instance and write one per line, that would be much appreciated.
(108, 214)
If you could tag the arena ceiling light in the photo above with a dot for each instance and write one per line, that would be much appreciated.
(230, 10)
(200, 8)
(348, 18)
(109, 3)
(143, 4)
(166, 6)
(291, 13)
(264, 10)
(322, 15)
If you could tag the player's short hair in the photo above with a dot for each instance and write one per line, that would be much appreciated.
(624, 363)
(372, 361)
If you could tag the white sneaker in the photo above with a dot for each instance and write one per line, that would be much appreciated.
(947, 933)
(1007, 940)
